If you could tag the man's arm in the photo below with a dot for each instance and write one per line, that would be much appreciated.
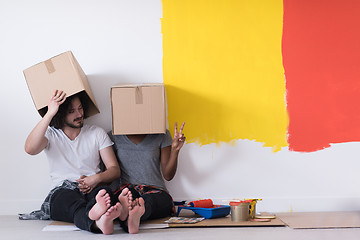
(112, 172)
(36, 141)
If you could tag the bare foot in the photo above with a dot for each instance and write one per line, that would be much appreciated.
(106, 221)
(135, 213)
(125, 199)
(102, 204)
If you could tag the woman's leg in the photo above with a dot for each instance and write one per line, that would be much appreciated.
(157, 205)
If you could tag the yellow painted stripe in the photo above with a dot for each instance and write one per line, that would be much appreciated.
(223, 70)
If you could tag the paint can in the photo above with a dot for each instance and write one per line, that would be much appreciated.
(240, 211)
(252, 209)
(252, 206)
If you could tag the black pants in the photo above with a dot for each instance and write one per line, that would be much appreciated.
(73, 206)
(157, 205)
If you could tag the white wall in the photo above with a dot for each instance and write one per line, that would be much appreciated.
(119, 41)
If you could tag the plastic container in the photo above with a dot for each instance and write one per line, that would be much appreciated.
(215, 212)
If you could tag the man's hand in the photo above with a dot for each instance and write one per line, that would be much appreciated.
(36, 141)
(178, 139)
(87, 183)
(56, 100)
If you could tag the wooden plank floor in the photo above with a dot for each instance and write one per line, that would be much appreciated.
(299, 220)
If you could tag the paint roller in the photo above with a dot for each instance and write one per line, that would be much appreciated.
(203, 203)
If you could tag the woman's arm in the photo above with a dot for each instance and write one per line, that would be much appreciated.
(169, 155)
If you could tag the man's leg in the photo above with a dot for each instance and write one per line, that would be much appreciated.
(99, 201)
(70, 206)
(106, 221)
(102, 207)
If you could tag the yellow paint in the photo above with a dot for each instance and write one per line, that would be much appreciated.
(223, 70)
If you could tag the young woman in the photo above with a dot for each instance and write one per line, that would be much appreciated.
(145, 161)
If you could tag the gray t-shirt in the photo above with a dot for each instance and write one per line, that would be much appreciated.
(140, 163)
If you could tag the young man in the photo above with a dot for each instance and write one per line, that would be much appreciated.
(74, 151)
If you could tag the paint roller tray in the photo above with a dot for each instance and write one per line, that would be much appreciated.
(214, 212)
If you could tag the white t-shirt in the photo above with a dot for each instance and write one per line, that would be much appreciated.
(70, 159)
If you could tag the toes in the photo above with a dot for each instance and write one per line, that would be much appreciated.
(124, 192)
(102, 192)
(130, 196)
(110, 209)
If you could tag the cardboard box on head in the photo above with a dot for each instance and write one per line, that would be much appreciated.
(61, 72)
(138, 109)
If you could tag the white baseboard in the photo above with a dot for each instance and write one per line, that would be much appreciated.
(316, 204)
(310, 204)
(14, 207)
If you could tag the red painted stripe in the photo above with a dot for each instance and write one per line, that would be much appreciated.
(321, 57)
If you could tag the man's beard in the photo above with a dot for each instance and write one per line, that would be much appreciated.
(72, 125)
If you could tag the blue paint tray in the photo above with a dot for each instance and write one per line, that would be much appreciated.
(214, 212)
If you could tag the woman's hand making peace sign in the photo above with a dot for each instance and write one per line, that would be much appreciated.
(178, 139)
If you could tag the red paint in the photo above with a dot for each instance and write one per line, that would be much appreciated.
(321, 57)
(240, 202)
